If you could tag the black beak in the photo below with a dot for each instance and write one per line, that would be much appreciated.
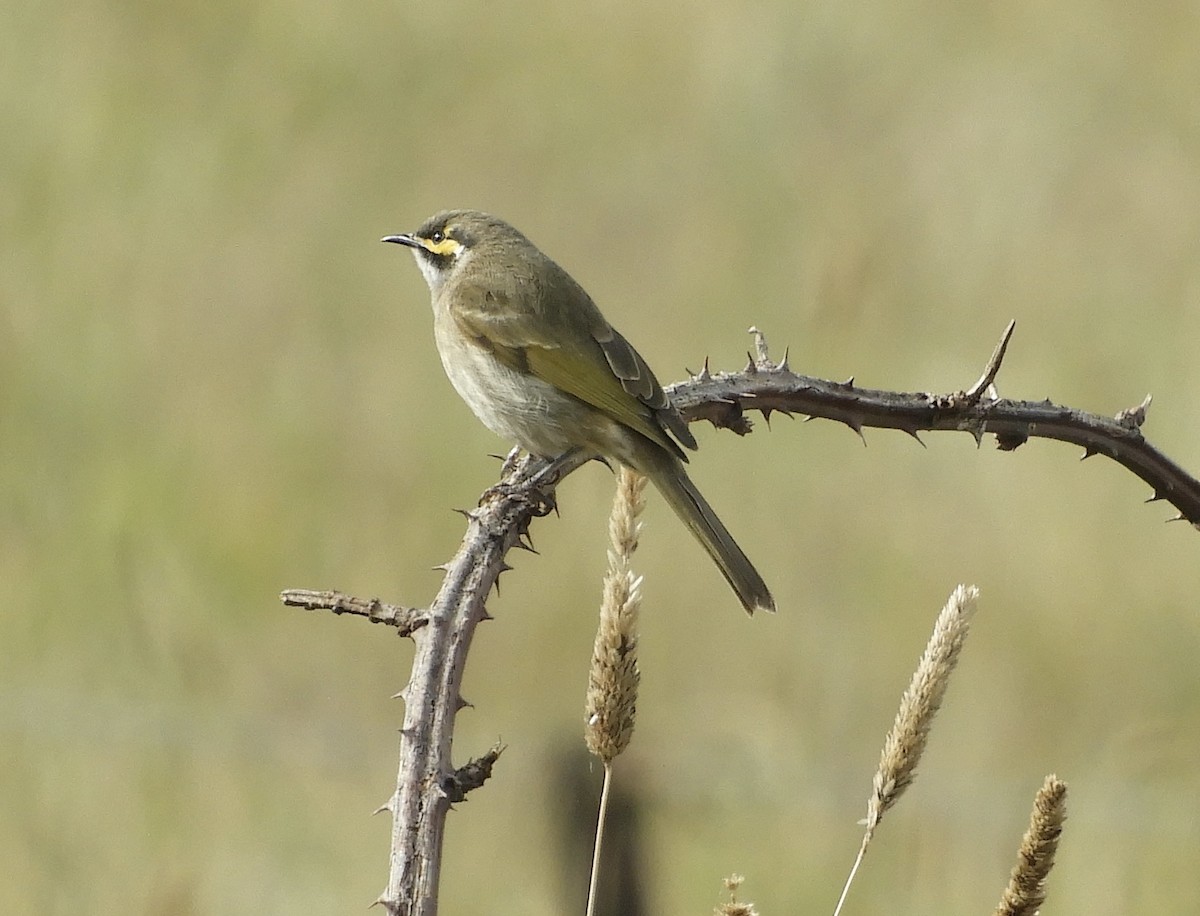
(405, 239)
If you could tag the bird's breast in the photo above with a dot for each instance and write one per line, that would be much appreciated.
(513, 404)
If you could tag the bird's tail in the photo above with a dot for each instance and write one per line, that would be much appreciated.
(668, 474)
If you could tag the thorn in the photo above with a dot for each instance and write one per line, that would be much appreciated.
(849, 383)
(1155, 498)
(401, 694)
(976, 430)
(975, 392)
(485, 616)
(504, 567)
(527, 538)
(469, 514)
(461, 703)
(444, 567)
(808, 419)
(766, 412)
(704, 375)
(1134, 417)
(751, 366)
(857, 427)
(783, 363)
(386, 806)
(1088, 453)
(1178, 518)
(913, 433)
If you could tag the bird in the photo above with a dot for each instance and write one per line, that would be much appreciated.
(529, 351)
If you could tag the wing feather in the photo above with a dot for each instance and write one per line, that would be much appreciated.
(588, 359)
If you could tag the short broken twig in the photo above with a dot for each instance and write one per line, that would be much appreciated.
(404, 619)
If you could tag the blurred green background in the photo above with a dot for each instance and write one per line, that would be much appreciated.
(215, 383)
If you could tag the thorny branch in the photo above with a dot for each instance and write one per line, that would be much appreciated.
(428, 783)
(723, 399)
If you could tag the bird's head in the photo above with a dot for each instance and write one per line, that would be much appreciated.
(447, 241)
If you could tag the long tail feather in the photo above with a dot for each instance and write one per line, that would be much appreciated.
(667, 473)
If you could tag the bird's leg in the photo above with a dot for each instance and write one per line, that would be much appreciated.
(554, 466)
(532, 488)
(549, 472)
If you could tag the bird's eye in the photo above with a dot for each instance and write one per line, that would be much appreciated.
(437, 237)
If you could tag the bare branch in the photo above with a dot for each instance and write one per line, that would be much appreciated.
(404, 619)
(427, 781)
(724, 399)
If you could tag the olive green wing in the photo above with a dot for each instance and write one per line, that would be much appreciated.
(638, 380)
(587, 359)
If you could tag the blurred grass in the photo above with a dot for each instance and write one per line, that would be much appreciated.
(215, 384)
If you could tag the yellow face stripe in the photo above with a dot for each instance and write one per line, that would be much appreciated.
(446, 246)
